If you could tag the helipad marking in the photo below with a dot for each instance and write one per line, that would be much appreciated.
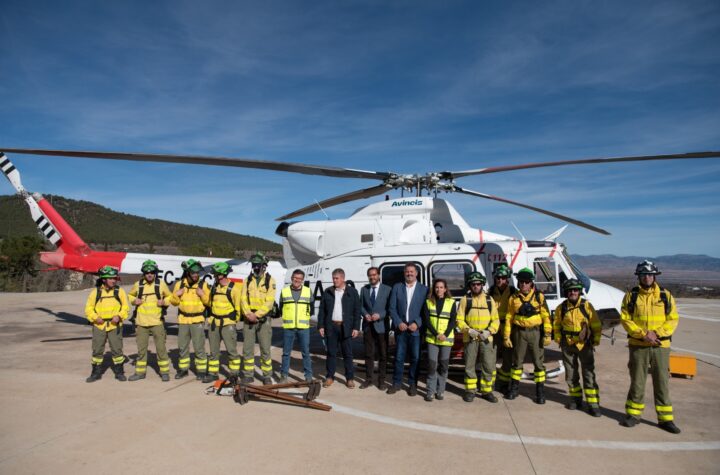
(704, 319)
(514, 439)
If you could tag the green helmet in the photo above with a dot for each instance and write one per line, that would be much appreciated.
(191, 265)
(149, 266)
(221, 268)
(502, 271)
(475, 277)
(107, 272)
(572, 284)
(258, 258)
(525, 274)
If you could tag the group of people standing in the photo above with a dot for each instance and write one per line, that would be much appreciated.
(501, 326)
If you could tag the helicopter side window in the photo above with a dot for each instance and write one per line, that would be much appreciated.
(455, 273)
(391, 274)
(546, 277)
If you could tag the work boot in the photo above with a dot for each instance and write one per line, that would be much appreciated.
(95, 375)
(248, 380)
(439, 396)
(209, 378)
(119, 372)
(393, 389)
(200, 376)
(308, 379)
(469, 396)
(630, 421)
(382, 385)
(412, 390)
(501, 386)
(594, 411)
(282, 379)
(428, 397)
(137, 376)
(513, 389)
(267, 380)
(576, 403)
(669, 426)
(540, 393)
(366, 384)
(181, 374)
(165, 377)
(489, 397)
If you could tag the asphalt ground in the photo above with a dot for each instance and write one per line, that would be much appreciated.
(54, 422)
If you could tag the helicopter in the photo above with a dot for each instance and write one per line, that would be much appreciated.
(419, 228)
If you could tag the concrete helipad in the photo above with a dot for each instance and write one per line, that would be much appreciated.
(54, 422)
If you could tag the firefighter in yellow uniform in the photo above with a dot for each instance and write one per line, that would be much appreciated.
(650, 317)
(224, 303)
(106, 308)
(478, 320)
(191, 319)
(500, 293)
(577, 329)
(258, 301)
(527, 328)
(151, 297)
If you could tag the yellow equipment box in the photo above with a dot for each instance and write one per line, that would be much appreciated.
(683, 365)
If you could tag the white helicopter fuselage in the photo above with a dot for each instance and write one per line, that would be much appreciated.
(430, 233)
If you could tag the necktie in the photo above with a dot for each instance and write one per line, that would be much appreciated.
(372, 297)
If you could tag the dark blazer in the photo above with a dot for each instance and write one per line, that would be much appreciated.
(382, 300)
(398, 304)
(350, 306)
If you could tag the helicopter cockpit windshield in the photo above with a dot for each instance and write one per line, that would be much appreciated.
(579, 273)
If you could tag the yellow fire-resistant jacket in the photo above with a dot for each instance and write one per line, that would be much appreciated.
(542, 317)
(474, 313)
(106, 307)
(190, 306)
(149, 313)
(256, 297)
(502, 299)
(649, 315)
(222, 306)
(570, 324)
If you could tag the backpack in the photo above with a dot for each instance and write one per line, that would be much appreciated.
(141, 290)
(634, 296)
(275, 310)
(488, 301)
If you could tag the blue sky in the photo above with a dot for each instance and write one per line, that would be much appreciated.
(401, 86)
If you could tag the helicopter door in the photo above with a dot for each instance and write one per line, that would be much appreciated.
(546, 277)
(454, 272)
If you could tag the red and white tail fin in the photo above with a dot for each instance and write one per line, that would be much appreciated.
(47, 219)
(72, 252)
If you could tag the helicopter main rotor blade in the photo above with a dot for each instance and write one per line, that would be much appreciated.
(507, 168)
(533, 208)
(353, 195)
(322, 170)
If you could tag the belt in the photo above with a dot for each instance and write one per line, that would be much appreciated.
(337, 323)
(195, 314)
(526, 328)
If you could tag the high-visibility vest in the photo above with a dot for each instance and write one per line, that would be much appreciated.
(295, 314)
(440, 321)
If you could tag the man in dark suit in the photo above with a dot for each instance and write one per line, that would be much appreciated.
(339, 322)
(374, 298)
(407, 301)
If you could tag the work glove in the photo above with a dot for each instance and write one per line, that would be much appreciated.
(472, 333)
(484, 335)
(507, 343)
(546, 341)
